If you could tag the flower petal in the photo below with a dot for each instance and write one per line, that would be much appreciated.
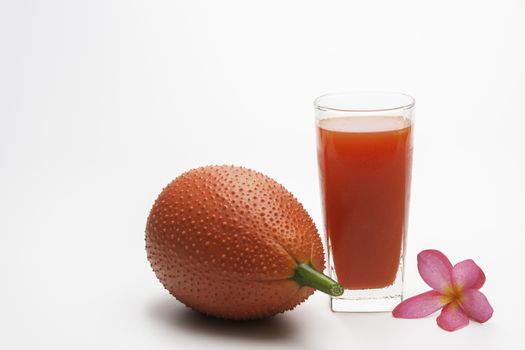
(467, 275)
(420, 305)
(476, 305)
(435, 268)
(452, 318)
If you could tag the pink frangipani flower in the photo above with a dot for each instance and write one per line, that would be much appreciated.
(455, 289)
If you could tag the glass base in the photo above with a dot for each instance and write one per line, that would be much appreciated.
(370, 300)
(348, 303)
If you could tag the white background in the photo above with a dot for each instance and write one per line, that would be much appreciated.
(102, 103)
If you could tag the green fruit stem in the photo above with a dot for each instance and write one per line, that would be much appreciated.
(306, 275)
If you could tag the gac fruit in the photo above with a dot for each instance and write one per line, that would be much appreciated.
(231, 242)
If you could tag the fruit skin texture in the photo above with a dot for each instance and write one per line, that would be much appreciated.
(225, 241)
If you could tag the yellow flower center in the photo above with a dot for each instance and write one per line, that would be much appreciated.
(452, 292)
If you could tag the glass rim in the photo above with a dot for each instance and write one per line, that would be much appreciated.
(323, 107)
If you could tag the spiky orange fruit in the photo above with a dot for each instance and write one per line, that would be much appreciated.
(233, 243)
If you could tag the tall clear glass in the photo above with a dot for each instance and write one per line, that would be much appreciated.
(364, 149)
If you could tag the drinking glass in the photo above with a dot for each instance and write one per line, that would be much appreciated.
(364, 151)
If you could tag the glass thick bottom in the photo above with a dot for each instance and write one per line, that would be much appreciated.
(370, 300)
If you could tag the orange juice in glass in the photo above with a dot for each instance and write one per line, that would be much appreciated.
(364, 148)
